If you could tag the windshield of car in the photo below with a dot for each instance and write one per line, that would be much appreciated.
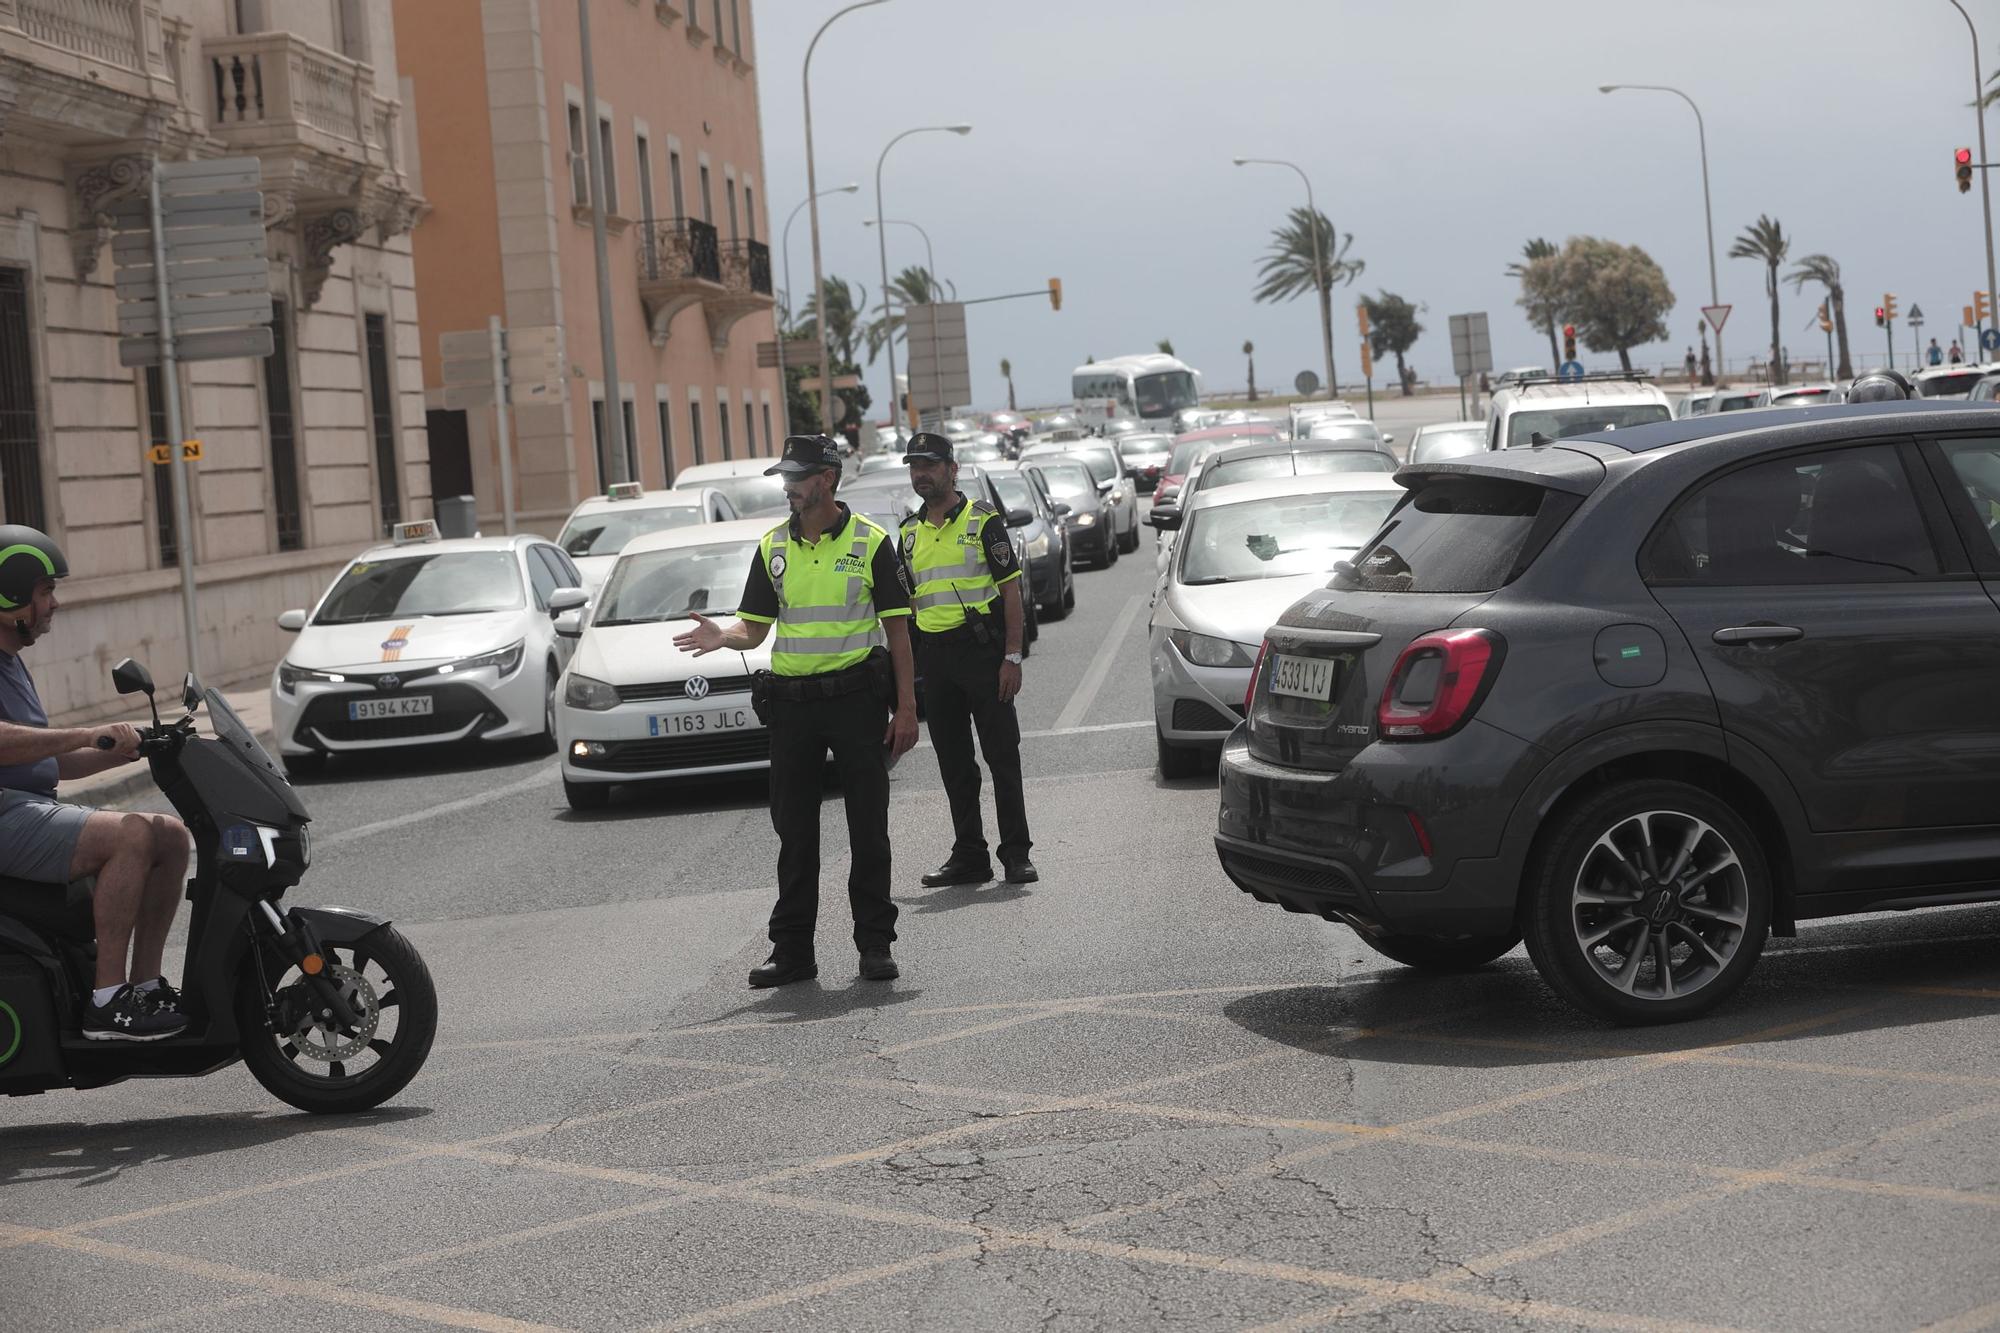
(1228, 472)
(1279, 537)
(1732, 402)
(1164, 394)
(1015, 490)
(1187, 455)
(1102, 464)
(1134, 446)
(1433, 446)
(1343, 428)
(606, 531)
(673, 585)
(1801, 397)
(436, 583)
(1558, 423)
(1067, 479)
(752, 497)
(978, 453)
(1938, 386)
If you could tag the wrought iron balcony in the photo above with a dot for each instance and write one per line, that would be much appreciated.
(746, 267)
(678, 250)
(683, 263)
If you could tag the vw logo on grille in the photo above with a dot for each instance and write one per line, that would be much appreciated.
(392, 681)
(697, 687)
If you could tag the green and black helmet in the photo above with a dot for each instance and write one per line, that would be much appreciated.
(27, 556)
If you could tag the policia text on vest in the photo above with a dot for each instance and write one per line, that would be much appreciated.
(828, 584)
(969, 615)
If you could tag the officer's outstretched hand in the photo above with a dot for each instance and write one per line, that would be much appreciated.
(902, 733)
(705, 637)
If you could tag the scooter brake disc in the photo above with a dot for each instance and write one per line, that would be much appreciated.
(319, 1039)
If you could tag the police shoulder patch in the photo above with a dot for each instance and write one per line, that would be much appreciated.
(1003, 554)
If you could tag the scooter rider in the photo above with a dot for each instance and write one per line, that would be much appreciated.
(140, 860)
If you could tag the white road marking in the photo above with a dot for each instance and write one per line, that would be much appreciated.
(535, 781)
(1100, 666)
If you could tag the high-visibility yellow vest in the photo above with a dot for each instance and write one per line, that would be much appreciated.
(826, 611)
(948, 566)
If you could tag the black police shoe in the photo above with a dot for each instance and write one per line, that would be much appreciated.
(877, 964)
(1022, 871)
(956, 871)
(777, 971)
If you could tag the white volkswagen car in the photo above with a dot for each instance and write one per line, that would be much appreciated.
(425, 642)
(597, 530)
(636, 709)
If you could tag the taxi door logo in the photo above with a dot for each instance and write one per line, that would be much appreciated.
(398, 640)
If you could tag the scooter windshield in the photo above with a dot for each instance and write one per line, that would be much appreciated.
(229, 729)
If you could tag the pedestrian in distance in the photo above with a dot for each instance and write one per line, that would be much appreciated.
(969, 616)
(1934, 354)
(1957, 355)
(828, 583)
(1691, 366)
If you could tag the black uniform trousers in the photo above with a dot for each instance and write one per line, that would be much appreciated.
(802, 732)
(961, 694)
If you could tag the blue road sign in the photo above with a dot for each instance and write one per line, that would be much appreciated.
(1990, 340)
(1573, 370)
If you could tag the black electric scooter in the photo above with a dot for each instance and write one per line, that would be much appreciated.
(332, 1009)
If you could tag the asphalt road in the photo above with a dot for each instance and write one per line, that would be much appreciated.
(1127, 1096)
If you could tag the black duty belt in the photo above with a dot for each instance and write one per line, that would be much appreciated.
(830, 685)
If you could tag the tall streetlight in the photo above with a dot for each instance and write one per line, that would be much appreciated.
(930, 267)
(1979, 115)
(812, 205)
(1320, 279)
(882, 246)
(1707, 211)
(852, 187)
(614, 402)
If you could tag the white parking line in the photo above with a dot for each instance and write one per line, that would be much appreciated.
(1100, 666)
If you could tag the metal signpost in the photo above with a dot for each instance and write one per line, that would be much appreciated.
(193, 285)
(1916, 336)
(1471, 351)
(940, 375)
(495, 367)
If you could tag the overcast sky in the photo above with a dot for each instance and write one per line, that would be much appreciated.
(1442, 134)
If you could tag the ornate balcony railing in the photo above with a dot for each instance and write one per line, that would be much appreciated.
(678, 249)
(747, 267)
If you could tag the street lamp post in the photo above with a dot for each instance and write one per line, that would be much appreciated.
(1320, 277)
(1707, 211)
(1979, 115)
(852, 187)
(812, 207)
(882, 246)
(937, 292)
(616, 461)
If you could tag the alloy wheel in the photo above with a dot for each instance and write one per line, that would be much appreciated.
(1660, 905)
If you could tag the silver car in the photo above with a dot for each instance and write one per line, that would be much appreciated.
(1447, 439)
(1244, 554)
(1115, 486)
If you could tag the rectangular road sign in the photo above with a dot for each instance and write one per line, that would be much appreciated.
(811, 383)
(940, 375)
(1471, 347)
(213, 345)
(470, 345)
(211, 175)
(459, 397)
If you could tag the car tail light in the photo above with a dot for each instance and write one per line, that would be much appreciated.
(1250, 690)
(1437, 683)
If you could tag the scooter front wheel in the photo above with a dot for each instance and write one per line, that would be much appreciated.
(320, 1065)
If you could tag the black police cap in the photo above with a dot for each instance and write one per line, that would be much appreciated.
(924, 444)
(805, 453)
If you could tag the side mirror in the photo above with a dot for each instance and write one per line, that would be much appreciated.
(1165, 522)
(1062, 508)
(567, 599)
(1388, 437)
(131, 678)
(190, 692)
(292, 621)
(569, 624)
(1020, 518)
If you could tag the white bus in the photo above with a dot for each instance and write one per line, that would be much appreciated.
(1149, 388)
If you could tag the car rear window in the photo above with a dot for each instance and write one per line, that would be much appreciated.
(1557, 423)
(1457, 534)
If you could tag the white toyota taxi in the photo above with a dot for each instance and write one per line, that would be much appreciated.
(425, 642)
(597, 530)
(636, 709)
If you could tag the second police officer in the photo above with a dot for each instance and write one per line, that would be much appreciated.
(830, 585)
(967, 586)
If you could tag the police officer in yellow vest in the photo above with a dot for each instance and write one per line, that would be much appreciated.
(829, 581)
(969, 618)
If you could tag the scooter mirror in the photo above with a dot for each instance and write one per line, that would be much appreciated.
(131, 678)
(190, 692)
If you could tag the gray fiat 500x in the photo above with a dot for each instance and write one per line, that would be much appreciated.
(1643, 697)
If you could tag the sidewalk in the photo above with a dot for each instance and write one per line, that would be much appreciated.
(113, 786)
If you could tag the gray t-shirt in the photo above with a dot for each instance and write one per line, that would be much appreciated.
(20, 704)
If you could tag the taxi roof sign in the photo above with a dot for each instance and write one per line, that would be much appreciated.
(624, 490)
(416, 530)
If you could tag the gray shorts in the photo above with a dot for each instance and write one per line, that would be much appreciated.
(38, 836)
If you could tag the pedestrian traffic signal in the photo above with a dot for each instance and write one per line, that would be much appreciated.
(1889, 305)
(1361, 319)
(1982, 307)
(1569, 342)
(1825, 322)
(1964, 160)
(1055, 293)
(1880, 318)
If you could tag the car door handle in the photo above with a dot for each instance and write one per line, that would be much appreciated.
(1736, 634)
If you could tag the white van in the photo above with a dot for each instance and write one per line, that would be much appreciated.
(1550, 409)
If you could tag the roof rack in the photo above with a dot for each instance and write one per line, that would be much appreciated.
(1588, 377)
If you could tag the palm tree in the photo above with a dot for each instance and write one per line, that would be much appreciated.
(1823, 270)
(1250, 354)
(1544, 311)
(843, 301)
(1765, 240)
(913, 286)
(1288, 270)
(1007, 373)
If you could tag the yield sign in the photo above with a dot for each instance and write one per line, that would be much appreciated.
(1717, 316)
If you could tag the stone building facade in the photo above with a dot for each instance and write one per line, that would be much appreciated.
(308, 453)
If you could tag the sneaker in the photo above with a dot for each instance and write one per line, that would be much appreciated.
(130, 1016)
(163, 996)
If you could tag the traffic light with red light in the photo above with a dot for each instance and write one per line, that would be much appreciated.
(1569, 342)
(1963, 158)
(1880, 318)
